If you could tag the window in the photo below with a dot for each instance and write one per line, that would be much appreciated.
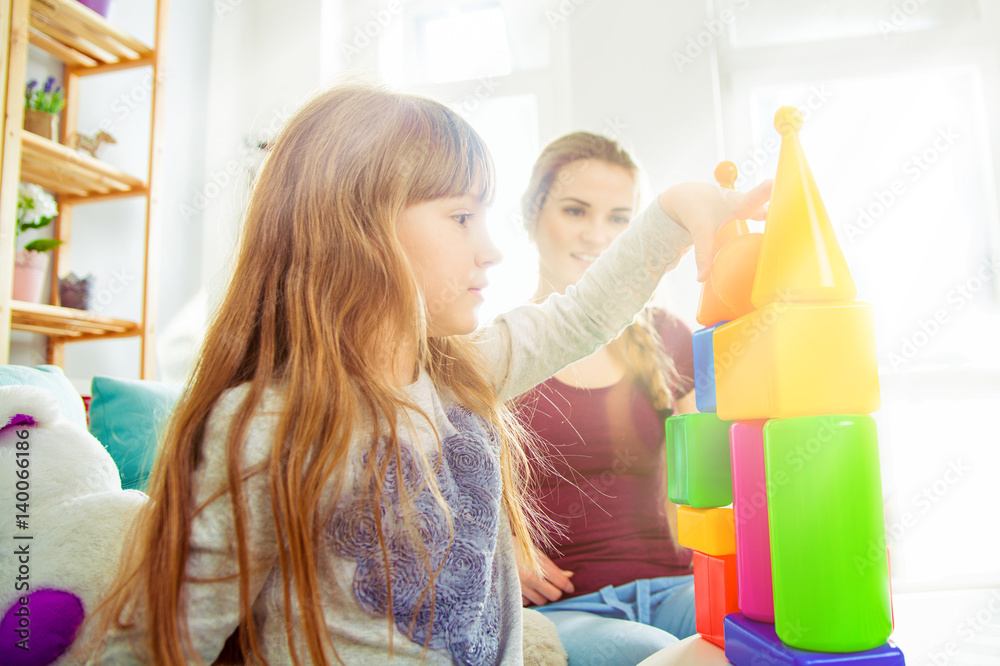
(898, 136)
(497, 64)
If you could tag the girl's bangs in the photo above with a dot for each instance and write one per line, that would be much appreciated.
(454, 160)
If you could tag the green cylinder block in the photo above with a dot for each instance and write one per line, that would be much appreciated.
(828, 549)
(699, 473)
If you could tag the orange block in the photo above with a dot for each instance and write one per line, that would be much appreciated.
(725, 295)
(714, 595)
(710, 531)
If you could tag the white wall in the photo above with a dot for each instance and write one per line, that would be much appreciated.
(624, 76)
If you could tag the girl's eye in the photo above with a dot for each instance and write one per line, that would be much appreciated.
(575, 212)
(462, 218)
(620, 219)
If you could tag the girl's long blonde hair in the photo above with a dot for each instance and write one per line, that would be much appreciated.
(320, 294)
(639, 347)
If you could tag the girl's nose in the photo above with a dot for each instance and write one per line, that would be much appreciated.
(488, 254)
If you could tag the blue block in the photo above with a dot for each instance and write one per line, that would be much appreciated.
(704, 368)
(750, 643)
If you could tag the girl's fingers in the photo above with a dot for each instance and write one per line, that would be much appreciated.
(754, 200)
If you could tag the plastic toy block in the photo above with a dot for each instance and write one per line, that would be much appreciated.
(828, 548)
(698, 472)
(750, 643)
(725, 294)
(733, 272)
(714, 588)
(792, 359)
(753, 541)
(800, 259)
(704, 369)
(710, 531)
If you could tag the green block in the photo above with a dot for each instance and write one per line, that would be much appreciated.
(828, 553)
(698, 468)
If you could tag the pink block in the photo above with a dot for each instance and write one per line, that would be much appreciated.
(753, 542)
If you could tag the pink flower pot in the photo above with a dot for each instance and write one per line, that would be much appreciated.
(99, 6)
(29, 275)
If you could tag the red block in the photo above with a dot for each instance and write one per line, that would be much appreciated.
(715, 594)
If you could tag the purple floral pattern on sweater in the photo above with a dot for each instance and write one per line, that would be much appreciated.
(466, 615)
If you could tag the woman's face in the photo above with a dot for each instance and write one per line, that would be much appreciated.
(589, 204)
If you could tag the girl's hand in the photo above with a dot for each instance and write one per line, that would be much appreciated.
(550, 586)
(702, 209)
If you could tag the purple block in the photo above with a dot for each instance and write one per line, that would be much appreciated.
(750, 643)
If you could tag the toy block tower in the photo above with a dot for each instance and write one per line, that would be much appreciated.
(787, 365)
(797, 374)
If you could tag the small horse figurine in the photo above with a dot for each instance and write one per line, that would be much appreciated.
(90, 144)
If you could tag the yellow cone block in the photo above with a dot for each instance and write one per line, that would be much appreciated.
(801, 259)
(709, 531)
(797, 359)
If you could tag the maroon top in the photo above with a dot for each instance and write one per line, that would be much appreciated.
(608, 484)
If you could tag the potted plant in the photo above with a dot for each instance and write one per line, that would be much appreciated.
(42, 107)
(35, 209)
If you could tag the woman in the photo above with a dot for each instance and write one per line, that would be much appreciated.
(615, 583)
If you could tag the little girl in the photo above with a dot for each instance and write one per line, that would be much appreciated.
(343, 481)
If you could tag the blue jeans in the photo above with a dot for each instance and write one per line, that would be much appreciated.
(621, 626)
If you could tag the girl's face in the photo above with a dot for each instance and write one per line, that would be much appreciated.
(449, 248)
(589, 204)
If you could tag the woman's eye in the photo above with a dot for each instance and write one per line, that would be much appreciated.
(620, 220)
(575, 212)
(462, 218)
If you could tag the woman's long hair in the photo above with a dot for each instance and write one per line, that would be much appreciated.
(320, 293)
(639, 347)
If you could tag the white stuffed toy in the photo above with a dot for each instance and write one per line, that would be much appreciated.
(64, 531)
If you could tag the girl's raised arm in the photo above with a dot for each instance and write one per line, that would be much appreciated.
(531, 343)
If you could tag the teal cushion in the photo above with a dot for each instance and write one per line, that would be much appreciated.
(49, 377)
(127, 416)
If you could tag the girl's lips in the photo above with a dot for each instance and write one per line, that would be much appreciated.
(478, 291)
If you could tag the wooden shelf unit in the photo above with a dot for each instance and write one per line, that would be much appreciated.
(88, 45)
(59, 322)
